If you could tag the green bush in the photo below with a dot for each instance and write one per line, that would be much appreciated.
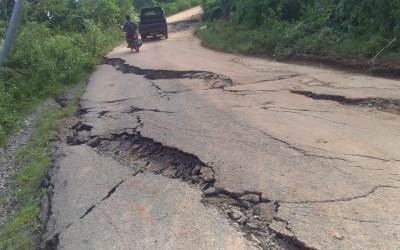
(175, 6)
(57, 42)
(53, 51)
(143, 3)
(45, 64)
(286, 27)
(2, 29)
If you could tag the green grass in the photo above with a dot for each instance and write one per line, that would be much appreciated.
(178, 5)
(53, 62)
(221, 36)
(22, 230)
(283, 40)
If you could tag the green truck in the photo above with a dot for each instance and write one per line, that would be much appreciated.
(153, 22)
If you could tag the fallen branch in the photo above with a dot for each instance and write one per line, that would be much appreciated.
(372, 61)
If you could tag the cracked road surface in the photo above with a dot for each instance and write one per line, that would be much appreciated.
(102, 204)
(234, 153)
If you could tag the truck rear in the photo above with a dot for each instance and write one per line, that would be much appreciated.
(152, 22)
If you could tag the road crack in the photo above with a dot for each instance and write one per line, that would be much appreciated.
(118, 100)
(252, 212)
(312, 83)
(381, 104)
(248, 92)
(300, 150)
(52, 244)
(372, 191)
(134, 110)
(279, 109)
(277, 78)
(291, 236)
(218, 80)
(109, 194)
(373, 158)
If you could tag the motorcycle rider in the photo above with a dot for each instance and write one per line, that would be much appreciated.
(130, 28)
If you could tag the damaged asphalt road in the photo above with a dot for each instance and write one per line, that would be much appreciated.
(180, 147)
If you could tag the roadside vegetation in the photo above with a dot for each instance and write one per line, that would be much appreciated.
(23, 229)
(170, 6)
(174, 6)
(367, 29)
(58, 42)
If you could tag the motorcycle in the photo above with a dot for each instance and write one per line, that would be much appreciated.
(135, 42)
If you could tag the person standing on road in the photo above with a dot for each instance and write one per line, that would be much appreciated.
(130, 28)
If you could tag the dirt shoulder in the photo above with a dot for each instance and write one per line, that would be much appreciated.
(23, 166)
(381, 68)
(389, 69)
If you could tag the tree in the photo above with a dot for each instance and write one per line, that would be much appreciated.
(6, 8)
(225, 6)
